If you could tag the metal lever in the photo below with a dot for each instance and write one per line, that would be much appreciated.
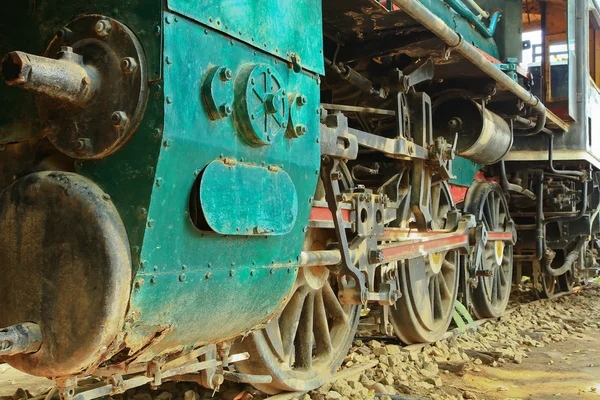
(403, 83)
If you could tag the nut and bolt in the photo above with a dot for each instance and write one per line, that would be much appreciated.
(225, 110)
(103, 28)
(65, 34)
(119, 118)
(301, 100)
(225, 74)
(301, 130)
(128, 65)
(375, 256)
(83, 145)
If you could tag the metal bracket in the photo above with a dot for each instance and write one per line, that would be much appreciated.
(351, 291)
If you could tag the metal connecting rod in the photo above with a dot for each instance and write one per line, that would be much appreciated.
(20, 338)
(66, 78)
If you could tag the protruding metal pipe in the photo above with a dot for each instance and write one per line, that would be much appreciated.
(20, 339)
(65, 79)
(321, 257)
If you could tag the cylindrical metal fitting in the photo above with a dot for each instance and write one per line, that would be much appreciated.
(20, 339)
(320, 257)
(66, 79)
(483, 137)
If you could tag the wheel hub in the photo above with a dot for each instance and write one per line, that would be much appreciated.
(499, 251)
(435, 262)
(315, 277)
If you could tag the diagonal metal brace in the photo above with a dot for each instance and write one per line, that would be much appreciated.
(353, 291)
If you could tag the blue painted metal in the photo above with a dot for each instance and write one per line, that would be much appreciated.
(245, 199)
(280, 28)
(464, 11)
(236, 282)
(462, 26)
(464, 171)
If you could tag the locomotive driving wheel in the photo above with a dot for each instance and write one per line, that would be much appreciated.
(548, 286)
(486, 201)
(306, 343)
(429, 284)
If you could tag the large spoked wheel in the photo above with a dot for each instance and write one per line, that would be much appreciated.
(429, 284)
(306, 343)
(548, 286)
(486, 201)
(566, 282)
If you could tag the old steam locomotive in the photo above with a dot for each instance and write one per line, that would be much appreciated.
(212, 190)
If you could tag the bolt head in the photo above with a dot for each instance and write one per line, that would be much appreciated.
(83, 144)
(225, 74)
(301, 100)
(103, 28)
(225, 109)
(119, 118)
(128, 65)
(301, 130)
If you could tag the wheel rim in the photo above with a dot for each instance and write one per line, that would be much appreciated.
(492, 293)
(429, 284)
(548, 283)
(305, 344)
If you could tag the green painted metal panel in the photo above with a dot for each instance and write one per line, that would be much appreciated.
(462, 26)
(195, 286)
(281, 28)
(30, 26)
(464, 170)
(243, 199)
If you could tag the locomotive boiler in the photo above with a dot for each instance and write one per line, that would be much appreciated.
(209, 191)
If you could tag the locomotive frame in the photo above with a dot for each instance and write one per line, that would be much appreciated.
(222, 189)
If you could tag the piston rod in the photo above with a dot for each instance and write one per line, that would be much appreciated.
(320, 257)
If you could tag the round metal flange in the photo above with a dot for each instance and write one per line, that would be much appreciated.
(298, 115)
(102, 123)
(261, 108)
(217, 92)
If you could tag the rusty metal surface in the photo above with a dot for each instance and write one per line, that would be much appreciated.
(66, 266)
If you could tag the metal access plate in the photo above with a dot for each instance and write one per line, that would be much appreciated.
(245, 199)
(281, 28)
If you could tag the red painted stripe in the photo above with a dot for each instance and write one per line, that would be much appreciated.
(499, 236)
(323, 214)
(411, 250)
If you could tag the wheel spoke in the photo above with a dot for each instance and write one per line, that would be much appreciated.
(447, 265)
(439, 313)
(332, 304)
(444, 289)
(435, 202)
(304, 339)
(289, 320)
(321, 327)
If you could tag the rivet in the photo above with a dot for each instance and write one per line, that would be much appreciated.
(310, 199)
(150, 223)
(271, 271)
(169, 100)
(106, 197)
(157, 133)
(183, 267)
(136, 249)
(153, 279)
(176, 19)
(157, 30)
(167, 142)
(143, 264)
(209, 265)
(317, 140)
(159, 182)
(304, 229)
(240, 33)
(252, 272)
(289, 270)
(317, 171)
(231, 273)
(196, 173)
(206, 31)
(232, 264)
(155, 268)
(169, 60)
(168, 19)
(210, 19)
(182, 278)
(142, 212)
(207, 276)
